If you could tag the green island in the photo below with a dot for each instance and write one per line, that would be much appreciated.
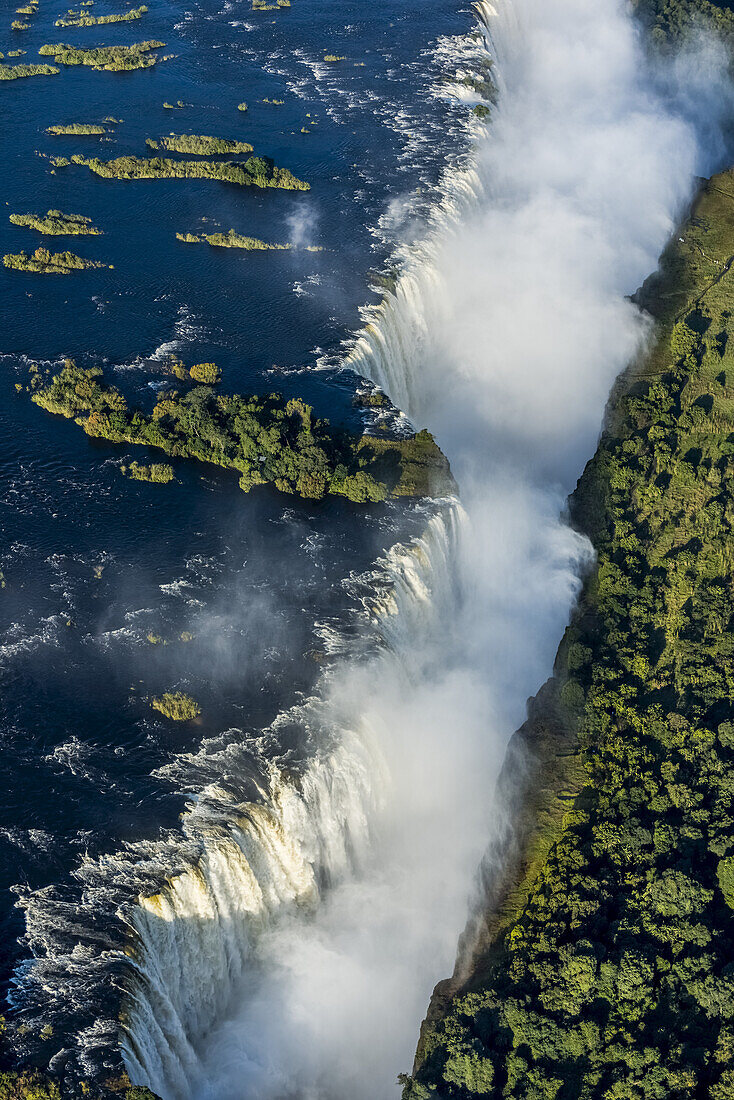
(603, 966)
(267, 440)
(177, 706)
(159, 472)
(82, 19)
(254, 172)
(56, 224)
(107, 58)
(232, 239)
(265, 5)
(242, 106)
(17, 72)
(200, 144)
(77, 129)
(49, 263)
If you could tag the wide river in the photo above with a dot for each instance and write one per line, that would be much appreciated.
(95, 564)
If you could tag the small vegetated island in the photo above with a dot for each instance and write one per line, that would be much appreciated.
(57, 224)
(159, 472)
(108, 58)
(18, 72)
(49, 263)
(85, 19)
(78, 129)
(201, 145)
(253, 172)
(177, 706)
(267, 440)
(232, 239)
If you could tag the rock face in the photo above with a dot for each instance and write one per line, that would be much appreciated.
(598, 963)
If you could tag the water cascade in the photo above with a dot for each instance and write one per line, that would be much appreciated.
(315, 893)
(311, 827)
(517, 288)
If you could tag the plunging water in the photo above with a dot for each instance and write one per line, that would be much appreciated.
(320, 877)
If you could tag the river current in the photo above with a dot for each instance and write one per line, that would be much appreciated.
(94, 565)
(258, 904)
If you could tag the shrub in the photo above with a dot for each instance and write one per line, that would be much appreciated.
(177, 706)
(206, 373)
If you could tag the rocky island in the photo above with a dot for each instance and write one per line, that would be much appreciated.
(267, 440)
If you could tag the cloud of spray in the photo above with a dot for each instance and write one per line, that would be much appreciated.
(505, 334)
(302, 224)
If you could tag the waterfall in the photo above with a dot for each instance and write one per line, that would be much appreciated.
(194, 940)
(350, 830)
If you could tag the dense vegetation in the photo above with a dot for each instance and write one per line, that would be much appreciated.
(17, 72)
(35, 1086)
(56, 224)
(49, 263)
(609, 971)
(177, 706)
(671, 21)
(208, 374)
(84, 19)
(159, 472)
(254, 172)
(201, 145)
(109, 58)
(268, 440)
(77, 129)
(231, 239)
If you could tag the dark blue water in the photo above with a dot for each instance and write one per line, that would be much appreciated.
(93, 563)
